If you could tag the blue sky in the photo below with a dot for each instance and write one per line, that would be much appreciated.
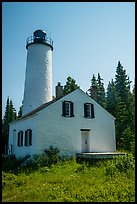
(89, 37)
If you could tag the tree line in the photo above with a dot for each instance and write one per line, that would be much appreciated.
(118, 100)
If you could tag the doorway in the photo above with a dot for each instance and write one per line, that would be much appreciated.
(85, 138)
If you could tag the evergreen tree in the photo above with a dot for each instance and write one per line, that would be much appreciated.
(9, 116)
(111, 99)
(133, 91)
(124, 107)
(12, 112)
(5, 122)
(129, 140)
(121, 104)
(133, 106)
(101, 99)
(122, 83)
(97, 90)
(93, 88)
(121, 122)
(130, 123)
(70, 86)
(20, 111)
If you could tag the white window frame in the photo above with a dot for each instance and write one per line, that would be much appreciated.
(67, 108)
(88, 110)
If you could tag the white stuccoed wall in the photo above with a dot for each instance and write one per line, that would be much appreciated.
(49, 127)
(23, 125)
(38, 78)
(65, 132)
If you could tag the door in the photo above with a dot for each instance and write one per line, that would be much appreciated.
(85, 138)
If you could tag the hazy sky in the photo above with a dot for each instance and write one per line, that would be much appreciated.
(89, 37)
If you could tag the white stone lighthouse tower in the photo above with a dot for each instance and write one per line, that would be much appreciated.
(38, 79)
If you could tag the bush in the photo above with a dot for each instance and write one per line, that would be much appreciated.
(10, 163)
(81, 168)
(37, 161)
(129, 140)
(120, 164)
(52, 154)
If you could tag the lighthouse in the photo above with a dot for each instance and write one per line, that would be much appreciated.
(38, 77)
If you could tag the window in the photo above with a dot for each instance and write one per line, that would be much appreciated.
(28, 137)
(20, 139)
(67, 109)
(89, 110)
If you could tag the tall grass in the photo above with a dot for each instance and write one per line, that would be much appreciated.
(69, 181)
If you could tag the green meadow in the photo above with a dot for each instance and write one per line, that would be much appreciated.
(110, 180)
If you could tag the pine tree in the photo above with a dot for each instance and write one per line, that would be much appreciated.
(129, 133)
(20, 111)
(111, 99)
(133, 91)
(9, 116)
(93, 88)
(70, 86)
(101, 99)
(129, 140)
(121, 122)
(12, 112)
(122, 83)
(5, 122)
(124, 106)
(133, 106)
(97, 90)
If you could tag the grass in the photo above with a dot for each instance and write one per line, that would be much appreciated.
(69, 181)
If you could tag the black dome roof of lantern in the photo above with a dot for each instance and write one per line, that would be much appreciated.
(39, 33)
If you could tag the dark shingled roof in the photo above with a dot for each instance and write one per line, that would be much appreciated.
(37, 109)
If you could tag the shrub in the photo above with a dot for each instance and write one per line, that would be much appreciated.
(82, 168)
(111, 168)
(52, 154)
(10, 163)
(120, 164)
(35, 162)
(124, 163)
(129, 140)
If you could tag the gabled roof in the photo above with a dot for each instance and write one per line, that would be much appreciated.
(53, 101)
(36, 110)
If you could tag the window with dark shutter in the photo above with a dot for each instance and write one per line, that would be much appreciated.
(20, 139)
(25, 138)
(71, 109)
(67, 109)
(28, 137)
(85, 110)
(92, 111)
(63, 108)
(89, 110)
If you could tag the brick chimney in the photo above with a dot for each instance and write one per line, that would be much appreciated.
(59, 91)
